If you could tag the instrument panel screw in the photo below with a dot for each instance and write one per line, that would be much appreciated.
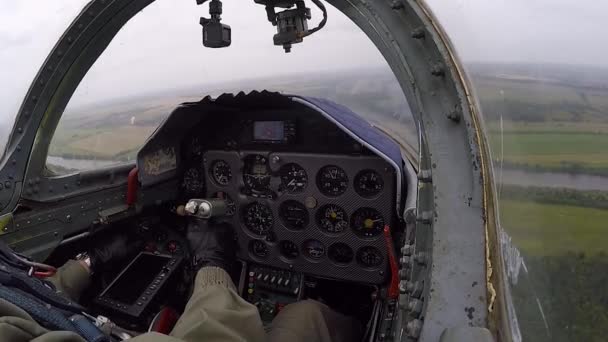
(397, 5)
(418, 33)
(421, 258)
(437, 70)
(415, 307)
(407, 250)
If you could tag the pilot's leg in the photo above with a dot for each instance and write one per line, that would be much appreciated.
(71, 279)
(312, 321)
(216, 312)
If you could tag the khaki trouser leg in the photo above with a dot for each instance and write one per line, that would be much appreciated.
(311, 321)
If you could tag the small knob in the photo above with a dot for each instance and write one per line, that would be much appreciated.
(415, 307)
(413, 328)
(191, 207)
(421, 258)
(405, 262)
(407, 250)
(204, 209)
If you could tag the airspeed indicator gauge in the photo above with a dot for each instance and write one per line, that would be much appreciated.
(367, 222)
(193, 181)
(259, 249)
(293, 178)
(294, 215)
(332, 181)
(256, 174)
(221, 172)
(313, 249)
(257, 217)
(368, 183)
(369, 257)
(289, 249)
(332, 219)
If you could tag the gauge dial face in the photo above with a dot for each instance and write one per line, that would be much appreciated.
(293, 178)
(332, 181)
(369, 257)
(193, 181)
(289, 249)
(340, 253)
(229, 202)
(367, 222)
(221, 172)
(195, 148)
(256, 174)
(332, 219)
(368, 183)
(294, 215)
(258, 218)
(313, 249)
(259, 249)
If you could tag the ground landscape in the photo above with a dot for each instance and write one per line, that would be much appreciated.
(550, 119)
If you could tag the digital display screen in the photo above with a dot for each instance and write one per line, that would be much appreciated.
(136, 278)
(269, 130)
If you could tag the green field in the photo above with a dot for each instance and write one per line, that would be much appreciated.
(574, 149)
(551, 230)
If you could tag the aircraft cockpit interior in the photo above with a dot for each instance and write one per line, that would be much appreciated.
(321, 197)
(314, 194)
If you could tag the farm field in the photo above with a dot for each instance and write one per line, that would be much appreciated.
(540, 229)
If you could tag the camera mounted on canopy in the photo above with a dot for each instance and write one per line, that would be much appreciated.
(291, 22)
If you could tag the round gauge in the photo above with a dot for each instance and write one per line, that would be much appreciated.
(332, 219)
(193, 181)
(368, 183)
(294, 215)
(259, 249)
(229, 202)
(293, 178)
(367, 222)
(258, 218)
(340, 253)
(221, 172)
(289, 249)
(195, 148)
(369, 257)
(332, 181)
(256, 174)
(313, 249)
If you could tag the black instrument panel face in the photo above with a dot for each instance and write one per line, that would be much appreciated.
(321, 214)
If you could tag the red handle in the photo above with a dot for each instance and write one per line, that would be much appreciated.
(393, 289)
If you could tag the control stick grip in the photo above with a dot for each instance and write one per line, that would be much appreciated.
(203, 208)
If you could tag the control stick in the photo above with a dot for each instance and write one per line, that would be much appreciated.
(203, 208)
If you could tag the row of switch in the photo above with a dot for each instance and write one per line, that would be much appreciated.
(271, 279)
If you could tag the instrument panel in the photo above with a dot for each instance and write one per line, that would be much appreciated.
(321, 214)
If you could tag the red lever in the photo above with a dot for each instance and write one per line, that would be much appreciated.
(132, 185)
(393, 289)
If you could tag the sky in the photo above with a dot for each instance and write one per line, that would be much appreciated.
(161, 47)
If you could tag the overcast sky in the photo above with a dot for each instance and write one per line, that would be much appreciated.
(161, 47)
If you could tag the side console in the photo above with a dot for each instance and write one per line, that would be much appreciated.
(136, 290)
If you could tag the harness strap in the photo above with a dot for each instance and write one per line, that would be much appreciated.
(51, 317)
